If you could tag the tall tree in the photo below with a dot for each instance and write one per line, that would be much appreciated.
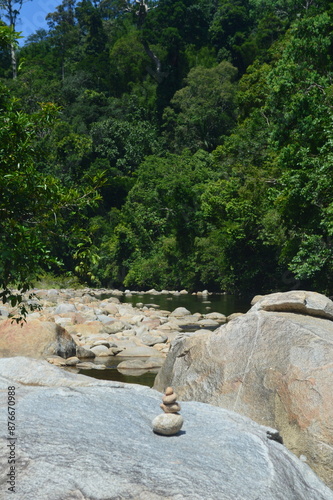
(11, 10)
(62, 25)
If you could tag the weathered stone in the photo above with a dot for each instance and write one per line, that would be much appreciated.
(104, 318)
(103, 342)
(179, 312)
(131, 364)
(35, 338)
(169, 398)
(87, 365)
(89, 328)
(100, 350)
(113, 351)
(113, 327)
(111, 309)
(274, 367)
(140, 364)
(87, 299)
(114, 300)
(72, 361)
(62, 321)
(167, 424)
(56, 360)
(162, 347)
(255, 299)
(151, 339)
(169, 326)
(131, 349)
(173, 408)
(220, 455)
(297, 301)
(233, 316)
(221, 318)
(208, 323)
(4, 312)
(65, 308)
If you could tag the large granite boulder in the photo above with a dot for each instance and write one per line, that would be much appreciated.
(35, 338)
(274, 365)
(80, 438)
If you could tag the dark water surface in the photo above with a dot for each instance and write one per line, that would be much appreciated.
(111, 372)
(222, 303)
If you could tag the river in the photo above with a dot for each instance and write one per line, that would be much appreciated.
(222, 303)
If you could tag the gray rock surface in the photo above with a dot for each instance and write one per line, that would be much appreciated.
(85, 439)
(83, 352)
(179, 312)
(65, 308)
(100, 350)
(272, 366)
(151, 339)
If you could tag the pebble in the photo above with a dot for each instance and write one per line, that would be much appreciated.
(167, 424)
(169, 399)
(174, 408)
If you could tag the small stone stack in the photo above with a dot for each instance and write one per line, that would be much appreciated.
(169, 422)
(170, 404)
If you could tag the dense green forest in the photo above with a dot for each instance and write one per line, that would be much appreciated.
(170, 144)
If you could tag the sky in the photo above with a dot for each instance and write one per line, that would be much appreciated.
(33, 15)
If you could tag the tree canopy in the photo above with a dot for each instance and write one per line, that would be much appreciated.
(211, 125)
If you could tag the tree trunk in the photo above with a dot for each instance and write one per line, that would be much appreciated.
(14, 60)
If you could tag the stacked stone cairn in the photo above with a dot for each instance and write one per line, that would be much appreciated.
(169, 422)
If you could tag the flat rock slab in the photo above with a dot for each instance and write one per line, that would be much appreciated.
(296, 301)
(92, 440)
(140, 364)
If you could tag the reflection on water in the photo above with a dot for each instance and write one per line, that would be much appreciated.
(222, 303)
(113, 374)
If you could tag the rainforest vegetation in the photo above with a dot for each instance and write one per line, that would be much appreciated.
(169, 144)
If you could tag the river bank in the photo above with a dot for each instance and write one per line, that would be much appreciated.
(115, 335)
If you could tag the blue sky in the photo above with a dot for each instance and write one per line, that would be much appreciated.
(33, 15)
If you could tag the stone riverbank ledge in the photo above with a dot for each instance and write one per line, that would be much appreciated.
(82, 328)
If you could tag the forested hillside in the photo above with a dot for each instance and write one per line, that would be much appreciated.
(174, 144)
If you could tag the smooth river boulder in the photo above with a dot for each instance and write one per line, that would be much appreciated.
(35, 338)
(81, 438)
(274, 365)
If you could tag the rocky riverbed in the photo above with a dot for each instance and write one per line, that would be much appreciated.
(272, 364)
(81, 330)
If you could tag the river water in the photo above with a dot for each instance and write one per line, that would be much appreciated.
(222, 303)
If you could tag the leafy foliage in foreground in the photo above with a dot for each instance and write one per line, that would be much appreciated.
(36, 209)
(211, 123)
